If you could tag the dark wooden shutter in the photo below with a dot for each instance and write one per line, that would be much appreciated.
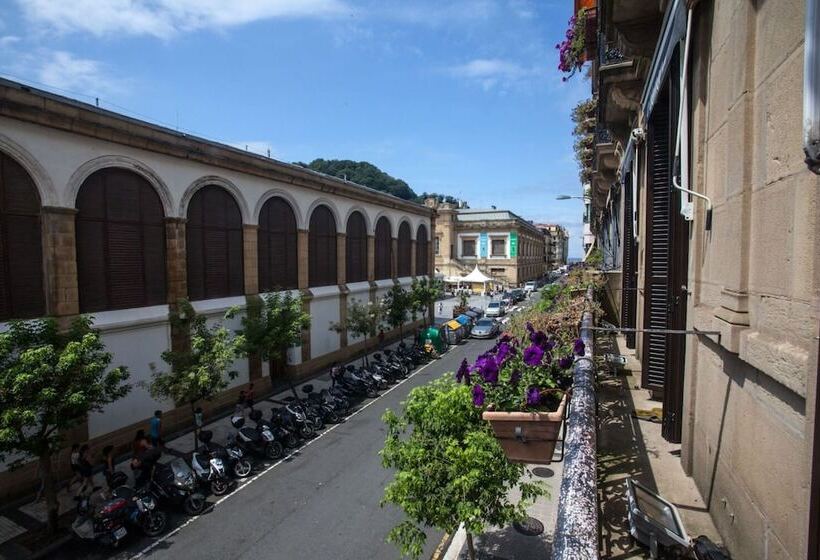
(277, 246)
(629, 280)
(322, 248)
(404, 246)
(384, 249)
(422, 252)
(120, 233)
(21, 249)
(356, 249)
(214, 248)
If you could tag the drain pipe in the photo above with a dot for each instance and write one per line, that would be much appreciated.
(811, 87)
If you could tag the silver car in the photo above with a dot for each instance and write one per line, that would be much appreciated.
(485, 328)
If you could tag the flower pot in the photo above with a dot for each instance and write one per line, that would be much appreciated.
(528, 437)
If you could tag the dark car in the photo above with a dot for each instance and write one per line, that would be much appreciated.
(517, 295)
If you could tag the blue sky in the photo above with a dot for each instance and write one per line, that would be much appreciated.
(458, 97)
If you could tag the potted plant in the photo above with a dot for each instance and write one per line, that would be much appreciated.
(572, 50)
(522, 385)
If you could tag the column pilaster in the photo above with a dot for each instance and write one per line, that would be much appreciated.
(60, 255)
(250, 236)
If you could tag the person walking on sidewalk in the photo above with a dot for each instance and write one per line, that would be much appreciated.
(74, 460)
(84, 467)
(108, 463)
(381, 339)
(250, 395)
(155, 429)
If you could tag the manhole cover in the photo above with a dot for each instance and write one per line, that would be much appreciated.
(530, 527)
(543, 472)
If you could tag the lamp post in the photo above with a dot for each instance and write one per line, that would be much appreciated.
(568, 197)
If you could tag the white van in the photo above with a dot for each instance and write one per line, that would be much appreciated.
(530, 286)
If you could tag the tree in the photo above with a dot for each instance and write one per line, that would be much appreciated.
(449, 468)
(363, 173)
(424, 293)
(396, 305)
(49, 382)
(197, 371)
(274, 324)
(363, 320)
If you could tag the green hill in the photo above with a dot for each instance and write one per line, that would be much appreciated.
(363, 173)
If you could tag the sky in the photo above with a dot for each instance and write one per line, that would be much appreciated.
(459, 97)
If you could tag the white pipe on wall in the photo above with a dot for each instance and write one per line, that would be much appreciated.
(811, 86)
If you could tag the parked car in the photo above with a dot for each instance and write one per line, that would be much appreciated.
(507, 299)
(530, 286)
(517, 295)
(495, 309)
(485, 328)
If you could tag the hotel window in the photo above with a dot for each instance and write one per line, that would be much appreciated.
(468, 247)
(438, 245)
(499, 248)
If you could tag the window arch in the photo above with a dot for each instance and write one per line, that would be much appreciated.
(214, 251)
(404, 246)
(422, 252)
(384, 249)
(356, 248)
(322, 248)
(276, 246)
(21, 250)
(120, 242)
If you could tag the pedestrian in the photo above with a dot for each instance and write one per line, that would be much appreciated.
(85, 470)
(250, 395)
(40, 477)
(239, 409)
(140, 447)
(74, 460)
(155, 429)
(381, 339)
(441, 309)
(108, 463)
(137, 444)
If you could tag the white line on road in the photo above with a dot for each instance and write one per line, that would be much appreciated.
(249, 481)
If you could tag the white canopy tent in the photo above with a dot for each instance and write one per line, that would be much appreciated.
(477, 277)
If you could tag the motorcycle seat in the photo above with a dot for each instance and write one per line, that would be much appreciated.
(250, 434)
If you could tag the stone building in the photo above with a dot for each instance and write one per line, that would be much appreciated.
(504, 246)
(703, 201)
(557, 249)
(118, 218)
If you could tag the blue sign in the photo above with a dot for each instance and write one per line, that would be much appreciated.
(482, 245)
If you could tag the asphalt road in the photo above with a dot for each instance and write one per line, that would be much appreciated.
(321, 504)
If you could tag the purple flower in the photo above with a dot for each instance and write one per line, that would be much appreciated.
(533, 396)
(487, 367)
(549, 345)
(478, 395)
(515, 377)
(463, 372)
(529, 328)
(578, 347)
(565, 362)
(505, 338)
(533, 355)
(505, 351)
(539, 339)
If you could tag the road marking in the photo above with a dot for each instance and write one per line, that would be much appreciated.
(248, 481)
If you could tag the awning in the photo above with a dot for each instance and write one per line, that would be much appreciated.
(476, 276)
(626, 160)
(672, 31)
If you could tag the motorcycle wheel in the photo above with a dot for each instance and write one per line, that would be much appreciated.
(274, 450)
(219, 486)
(194, 504)
(153, 523)
(318, 422)
(332, 417)
(291, 441)
(306, 432)
(372, 393)
(242, 468)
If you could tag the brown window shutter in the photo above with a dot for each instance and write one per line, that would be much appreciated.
(214, 249)
(278, 263)
(422, 252)
(404, 247)
(120, 242)
(356, 248)
(322, 248)
(384, 249)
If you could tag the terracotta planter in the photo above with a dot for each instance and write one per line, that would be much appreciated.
(528, 437)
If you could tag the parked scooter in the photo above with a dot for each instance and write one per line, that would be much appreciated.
(209, 469)
(332, 408)
(100, 519)
(235, 461)
(294, 419)
(175, 483)
(259, 440)
(142, 506)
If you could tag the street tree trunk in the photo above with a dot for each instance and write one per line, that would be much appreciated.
(52, 505)
(470, 548)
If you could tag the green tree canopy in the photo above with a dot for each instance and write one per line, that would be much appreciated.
(274, 324)
(363, 173)
(363, 320)
(49, 382)
(397, 302)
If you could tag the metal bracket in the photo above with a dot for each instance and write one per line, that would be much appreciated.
(519, 434)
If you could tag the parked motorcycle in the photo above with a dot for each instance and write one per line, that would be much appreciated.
(175, 483)
(259, 440)
(100, 519)
(294, 419)
(358, 382)
(210, 470)
(331, 408)
(235, 461)
(142, 508)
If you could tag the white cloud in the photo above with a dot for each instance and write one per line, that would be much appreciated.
(261, 147)
(9, 40)
(166, 18)
(63, 70)
(489, 72)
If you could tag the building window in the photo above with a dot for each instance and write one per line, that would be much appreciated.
(495, 271)
(422, 252)
(438, 245)
(384, 249)
(276, 246)
(21, 252)
(468, 247)
(213, 237)
(498, 248)
(356, 248)
(120, 242)
(404, 246)
(322, 248)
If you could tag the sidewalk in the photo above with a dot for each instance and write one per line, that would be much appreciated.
(22, 524)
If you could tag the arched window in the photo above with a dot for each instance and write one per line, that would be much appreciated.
(120, 242)
(384, 249)
(404, 247)
(213, 237)
(422, 252)
(356, 249)
(322, 248)
(21, 249)
(276, 246)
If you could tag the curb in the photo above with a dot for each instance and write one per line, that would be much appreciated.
(44, 552)
(456, 544)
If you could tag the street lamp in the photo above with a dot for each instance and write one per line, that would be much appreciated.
(568, 197)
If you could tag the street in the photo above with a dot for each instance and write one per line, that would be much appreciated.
(321, 503)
